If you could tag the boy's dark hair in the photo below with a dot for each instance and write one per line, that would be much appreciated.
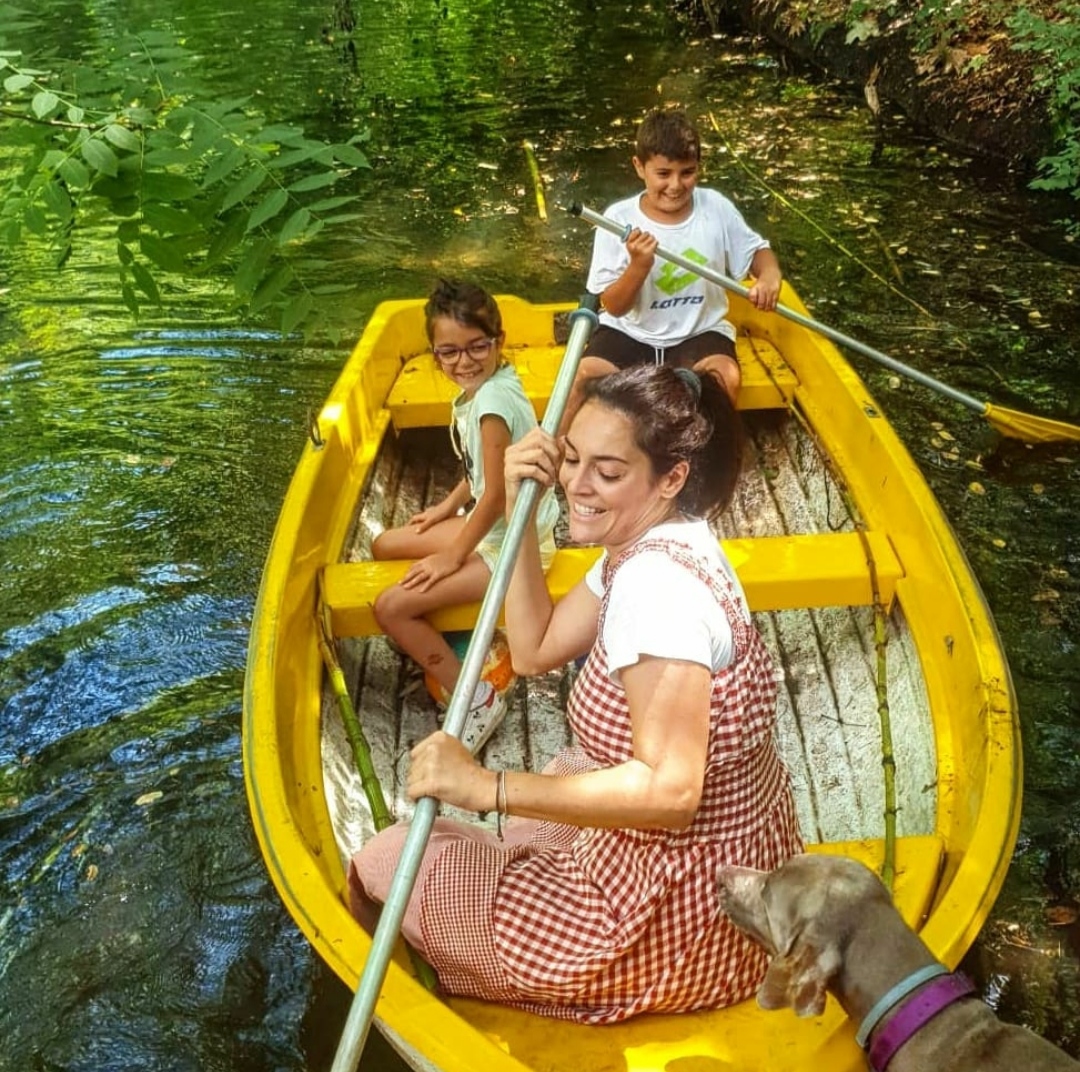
(466, 303)
(667, 132)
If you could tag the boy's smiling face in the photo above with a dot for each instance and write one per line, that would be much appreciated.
(669, 187)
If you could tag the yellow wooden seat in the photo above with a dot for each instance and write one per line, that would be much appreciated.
(421, 395)
(777, 573)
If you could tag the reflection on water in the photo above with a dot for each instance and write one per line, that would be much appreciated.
(142, 466)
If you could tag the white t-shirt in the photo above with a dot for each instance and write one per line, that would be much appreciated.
(501, 395)
(674, 304)
(658, 607)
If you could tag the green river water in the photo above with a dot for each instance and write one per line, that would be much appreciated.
(142, 465)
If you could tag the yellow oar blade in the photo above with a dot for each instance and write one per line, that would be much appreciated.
(1026, 426)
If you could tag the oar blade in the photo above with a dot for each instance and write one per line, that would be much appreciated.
(1028, 427)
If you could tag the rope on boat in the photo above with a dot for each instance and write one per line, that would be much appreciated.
(361, 750)
(881, 678)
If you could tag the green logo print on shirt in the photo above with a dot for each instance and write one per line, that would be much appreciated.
(672, 279)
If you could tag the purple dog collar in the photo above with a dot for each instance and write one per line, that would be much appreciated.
(914, 1013)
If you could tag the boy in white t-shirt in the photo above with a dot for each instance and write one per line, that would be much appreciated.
(651, 310)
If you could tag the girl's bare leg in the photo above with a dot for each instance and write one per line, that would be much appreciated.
(401, 614)
(406, 542)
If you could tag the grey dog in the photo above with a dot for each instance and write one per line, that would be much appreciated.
(830, 925)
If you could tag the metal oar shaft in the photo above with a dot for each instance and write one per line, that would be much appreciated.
(362, 1010)
(623, 230)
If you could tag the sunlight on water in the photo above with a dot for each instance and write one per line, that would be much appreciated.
(142, 466)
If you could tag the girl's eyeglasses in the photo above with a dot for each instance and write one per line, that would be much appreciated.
(451, 355)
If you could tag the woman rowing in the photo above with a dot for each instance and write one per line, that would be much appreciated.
(600, 901)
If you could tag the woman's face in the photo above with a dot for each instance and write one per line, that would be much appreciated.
(613, 495)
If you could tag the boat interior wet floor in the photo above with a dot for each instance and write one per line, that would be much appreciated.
(826, 662)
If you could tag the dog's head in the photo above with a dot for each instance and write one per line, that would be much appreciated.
(802, 913)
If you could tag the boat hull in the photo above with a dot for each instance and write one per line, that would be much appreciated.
(957, 825)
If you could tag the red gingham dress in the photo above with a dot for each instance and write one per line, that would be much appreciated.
(600, 925)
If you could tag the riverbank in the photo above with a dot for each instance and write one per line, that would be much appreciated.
(952, 68)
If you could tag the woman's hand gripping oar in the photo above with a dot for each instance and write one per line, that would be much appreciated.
(582, 323)
(1008, 422)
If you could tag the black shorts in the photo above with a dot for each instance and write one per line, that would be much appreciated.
(623, 351)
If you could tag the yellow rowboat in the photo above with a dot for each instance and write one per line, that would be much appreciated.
(887, 653)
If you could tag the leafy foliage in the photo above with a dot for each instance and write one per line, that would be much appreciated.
(1056, 43)
(192, 186)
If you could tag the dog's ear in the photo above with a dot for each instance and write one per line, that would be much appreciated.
(799, 978)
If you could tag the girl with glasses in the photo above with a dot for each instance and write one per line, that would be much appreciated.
(456, 548)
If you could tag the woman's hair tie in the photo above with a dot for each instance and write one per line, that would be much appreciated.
(692, 380)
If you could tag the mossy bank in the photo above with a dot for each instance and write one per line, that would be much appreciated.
(990, 77)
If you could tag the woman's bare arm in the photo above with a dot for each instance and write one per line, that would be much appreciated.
(660, 788)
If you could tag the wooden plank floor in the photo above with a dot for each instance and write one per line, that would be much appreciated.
(828, 725)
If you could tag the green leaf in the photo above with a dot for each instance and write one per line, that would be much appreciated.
(63, 255)
(252, 267)
(162, 252)
(279, 135)
(268, 208)
(314, 229)
(131, 300)
(163, 158)
(138, 116)
(44, 103)
(74, 173)
(315, 182)
(165, 186)
(35, 220)
(219, 109)
(100, 157)
(295, 226)
(58, 200)
(124, 254)
(298, 156)
(243, 189)
(75, 114)
(296, 312)
(227, 240)
(206, 133)
(328, 203)
(166, 219)
(128, 231)
(270, 288)
(351, 156)
(226, 163)
(122, 188)
(16, 83)
(145, 282)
